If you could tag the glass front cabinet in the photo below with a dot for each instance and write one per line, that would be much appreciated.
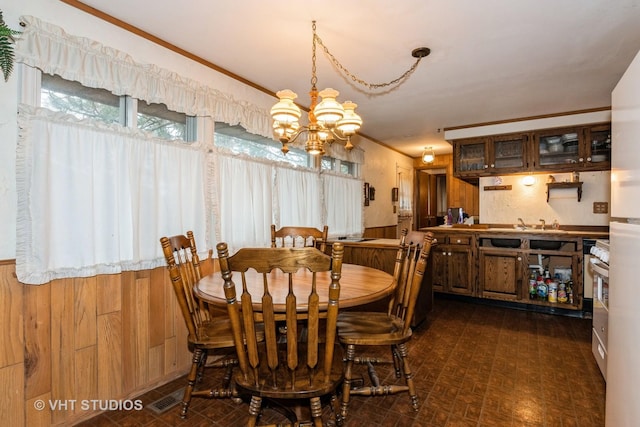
(490, 155)
(578, 148)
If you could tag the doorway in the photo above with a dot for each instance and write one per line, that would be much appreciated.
(432, 197)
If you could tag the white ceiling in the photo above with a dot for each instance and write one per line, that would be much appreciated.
(490, 60)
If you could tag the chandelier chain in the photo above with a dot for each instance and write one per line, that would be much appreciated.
(314, 77)
(347, 73)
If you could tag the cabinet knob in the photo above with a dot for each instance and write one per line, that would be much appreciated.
(486, 166)
(519, 258)
(581, 160)
(588, 159)
(493, 165)
(449, 254)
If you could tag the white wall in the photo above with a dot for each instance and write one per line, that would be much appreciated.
(530, 202)
(380, 173)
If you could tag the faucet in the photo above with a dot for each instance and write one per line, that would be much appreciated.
(522, 225)
(542, 225)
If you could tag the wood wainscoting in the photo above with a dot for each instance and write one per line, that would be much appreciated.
(108, 337)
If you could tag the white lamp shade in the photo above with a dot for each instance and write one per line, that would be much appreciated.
(285, 111)
(351, 122)
(328, 111)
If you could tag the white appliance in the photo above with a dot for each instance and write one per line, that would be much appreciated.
(623, 365)
(599, 268)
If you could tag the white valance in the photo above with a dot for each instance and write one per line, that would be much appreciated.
(49, 48)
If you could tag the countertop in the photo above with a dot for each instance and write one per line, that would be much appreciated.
(536, 232)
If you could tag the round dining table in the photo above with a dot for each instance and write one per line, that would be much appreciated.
(359, 285)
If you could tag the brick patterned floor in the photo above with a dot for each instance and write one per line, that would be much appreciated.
(475, 365)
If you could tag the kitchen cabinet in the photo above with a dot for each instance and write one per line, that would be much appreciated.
(506, 266)
(490, 155)
(501, 275)
(573, 149)
(578, 148)
(453, 264)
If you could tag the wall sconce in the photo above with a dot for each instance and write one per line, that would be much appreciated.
(428, 156)
(528, 180)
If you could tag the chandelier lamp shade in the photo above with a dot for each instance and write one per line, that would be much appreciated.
(428, 156)
(328, 119)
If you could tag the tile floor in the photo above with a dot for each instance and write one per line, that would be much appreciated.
(475, 365)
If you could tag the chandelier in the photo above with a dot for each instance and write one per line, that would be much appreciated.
(328, 120)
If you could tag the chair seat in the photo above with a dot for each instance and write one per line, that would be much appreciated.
(280, 387)
(371, 328)
(218, 334)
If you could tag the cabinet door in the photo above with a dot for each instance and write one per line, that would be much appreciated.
(597, 149)
(459, 270)
(439, 269)
(508, 153)
(471, 157)
(558, 149)
(500, 274)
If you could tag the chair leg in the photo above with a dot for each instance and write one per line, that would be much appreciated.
(201, 366)
(346, 384)
(316, 411)
(397, 361)
(191, 381)
(254, 410)
(408, 375)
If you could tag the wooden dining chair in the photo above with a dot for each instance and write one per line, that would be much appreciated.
(207, 334)
(299, 237)
(305, 363)
(393, 328)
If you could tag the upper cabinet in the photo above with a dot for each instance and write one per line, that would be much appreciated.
(490, 155)
(568, 149)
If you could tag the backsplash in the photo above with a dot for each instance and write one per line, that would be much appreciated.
(530, 202)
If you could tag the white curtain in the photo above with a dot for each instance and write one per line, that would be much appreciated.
(343, 204)
(298, 200)
(405, 199)
(244, 192)
(95, 199)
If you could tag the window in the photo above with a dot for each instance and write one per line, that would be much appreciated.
(238, 140)
(162, 122)
(82, 102)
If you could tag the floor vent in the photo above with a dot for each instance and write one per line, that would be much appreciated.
(165, 403)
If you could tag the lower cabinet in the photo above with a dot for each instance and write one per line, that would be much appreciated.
(452, 264)
(501, 275)
(510, 267)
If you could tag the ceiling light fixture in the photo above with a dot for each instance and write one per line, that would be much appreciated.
(328, 120)
(428, 156)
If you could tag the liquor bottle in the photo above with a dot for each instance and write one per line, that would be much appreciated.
(449, 217)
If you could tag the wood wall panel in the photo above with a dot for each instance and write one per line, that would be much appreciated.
(11, 348)
(62, 346)
(156, 307)
(108, 293)
(37, 346)
(128, 332)
(12, 402)
(106, 337)
(141, 316)
(86, 376)
(110, 355)
(84, 312)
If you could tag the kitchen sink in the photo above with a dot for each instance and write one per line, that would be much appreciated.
(506, 243)
(548, 245)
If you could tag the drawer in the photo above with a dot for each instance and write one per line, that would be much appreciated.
(459, 240)
(599, 352)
